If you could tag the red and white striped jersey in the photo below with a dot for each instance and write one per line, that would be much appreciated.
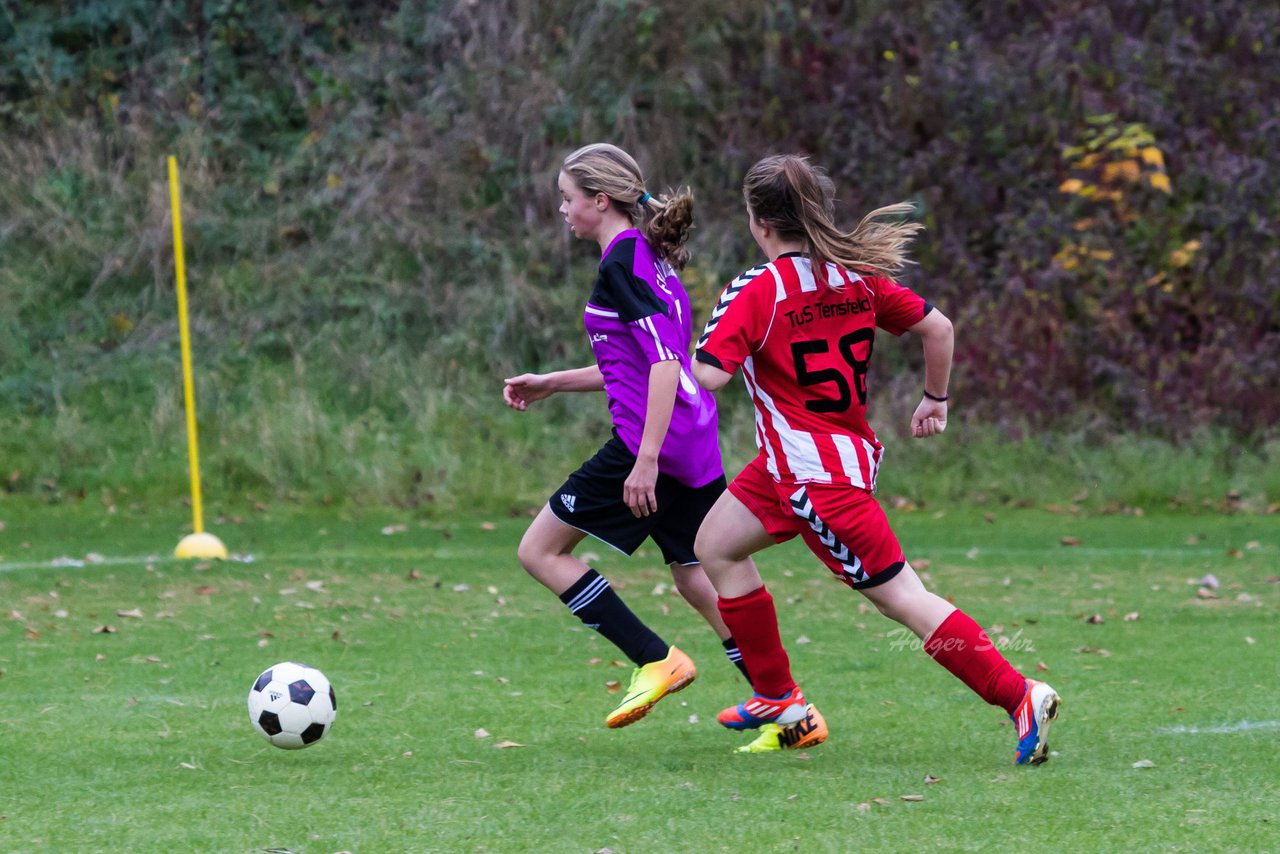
(804, 349)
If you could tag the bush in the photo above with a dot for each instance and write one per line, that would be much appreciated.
(368, 184)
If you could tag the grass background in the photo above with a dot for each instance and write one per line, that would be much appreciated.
(431, 632)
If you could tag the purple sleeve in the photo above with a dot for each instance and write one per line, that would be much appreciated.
(657, 337)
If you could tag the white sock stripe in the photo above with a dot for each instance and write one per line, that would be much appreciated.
(589, 594)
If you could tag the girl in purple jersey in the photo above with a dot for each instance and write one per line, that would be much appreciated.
(660, 472)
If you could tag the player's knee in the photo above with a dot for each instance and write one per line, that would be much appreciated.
(704, 548)
(686, 587)
(530, 555)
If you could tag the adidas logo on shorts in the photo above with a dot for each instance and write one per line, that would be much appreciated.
(568, 501)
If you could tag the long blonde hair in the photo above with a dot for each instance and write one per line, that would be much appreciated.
(665, 220)
(796, 199)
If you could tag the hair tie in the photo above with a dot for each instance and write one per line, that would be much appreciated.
(644, 200)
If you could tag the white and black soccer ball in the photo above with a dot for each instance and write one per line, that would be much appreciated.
(292, 705)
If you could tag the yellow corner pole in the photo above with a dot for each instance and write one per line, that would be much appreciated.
(198, 544)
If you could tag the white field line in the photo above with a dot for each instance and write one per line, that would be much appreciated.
(71, 564)
(438, 550)
(1223, 729)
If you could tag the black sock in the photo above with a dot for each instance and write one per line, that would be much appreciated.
(731, 650)
(593, 601)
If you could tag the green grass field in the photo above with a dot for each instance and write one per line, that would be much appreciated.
(471, 704)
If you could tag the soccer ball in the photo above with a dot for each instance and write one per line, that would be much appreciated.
(292, 705)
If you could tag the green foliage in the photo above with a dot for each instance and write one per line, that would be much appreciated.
(368, 185)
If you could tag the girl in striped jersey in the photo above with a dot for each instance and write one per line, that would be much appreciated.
(801, 329)
(660, 472)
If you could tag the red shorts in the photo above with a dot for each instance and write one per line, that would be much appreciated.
(843, 525)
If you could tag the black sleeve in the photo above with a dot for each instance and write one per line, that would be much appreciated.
(631, 296)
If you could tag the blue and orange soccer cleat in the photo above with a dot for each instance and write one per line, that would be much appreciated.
(1038, 709)
(809, 731)
(651, 683)
(758, 711)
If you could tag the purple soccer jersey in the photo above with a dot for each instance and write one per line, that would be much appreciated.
(638, 314)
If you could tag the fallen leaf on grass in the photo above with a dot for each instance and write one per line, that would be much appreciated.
(930, 779)
(1131, 617)
(105, 630)
(881, 801)
(1209, 580)
(613, 686)
(1094, 650)
(188, 766)
(911, 798)
(482, 733)
(1070, 541)
(488, 526)
(136, 613)
(393, 529)
(1041, 667)
(1094, 619)
(1205, 593)
(591, 662)
(502, 745)
(1144, 763)
(864, 806)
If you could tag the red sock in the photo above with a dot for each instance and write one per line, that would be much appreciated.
(754, 624)
(961, 646)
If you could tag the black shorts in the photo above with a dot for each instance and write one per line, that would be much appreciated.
(591, 501)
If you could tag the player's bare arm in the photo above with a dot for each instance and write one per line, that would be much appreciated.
(938, 339)
(520, 391)
(709, 376)
(639, 491)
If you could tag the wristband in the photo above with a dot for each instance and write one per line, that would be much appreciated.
(942, 399)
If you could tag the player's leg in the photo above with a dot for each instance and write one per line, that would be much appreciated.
(694, 587)
(546, 553)
(676, 536)
(954, 640)
(681, 510)
(590, 502)
(729, 535)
